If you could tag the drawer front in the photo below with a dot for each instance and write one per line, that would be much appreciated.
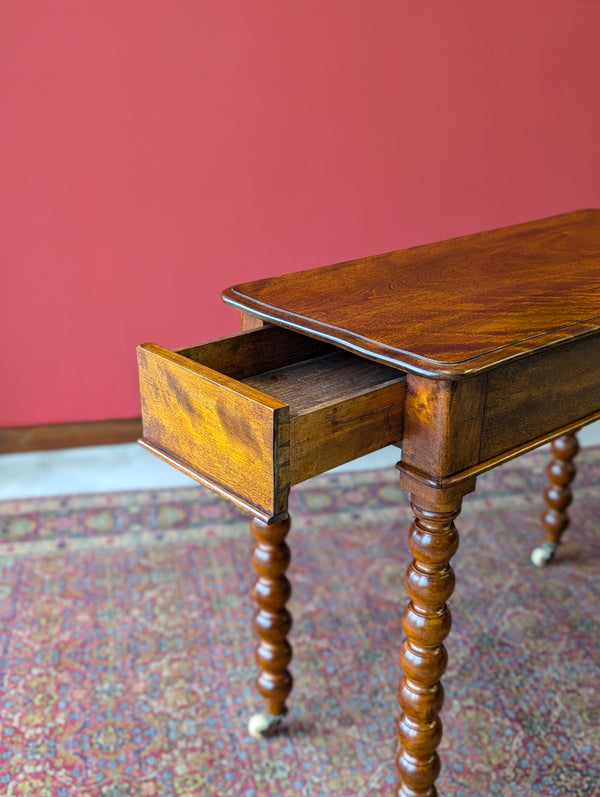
(233, 438)
(312, 407)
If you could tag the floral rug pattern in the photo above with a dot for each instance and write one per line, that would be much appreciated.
(126, 649)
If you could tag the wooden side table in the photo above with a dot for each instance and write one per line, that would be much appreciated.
(467, 352)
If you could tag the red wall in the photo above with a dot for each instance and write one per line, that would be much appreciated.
(153, 152)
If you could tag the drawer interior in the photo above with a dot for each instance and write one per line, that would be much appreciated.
(256, 351)
(321, 380)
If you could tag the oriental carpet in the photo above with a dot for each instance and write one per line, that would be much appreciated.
(126, 649)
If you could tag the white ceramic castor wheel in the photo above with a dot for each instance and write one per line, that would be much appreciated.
(262, 725)
(544, 554)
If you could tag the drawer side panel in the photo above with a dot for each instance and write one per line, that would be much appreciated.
(338, 433)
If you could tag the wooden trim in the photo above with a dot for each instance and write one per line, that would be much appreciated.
(448, 482)
(250, 322)
(15, 439)
(213, 485)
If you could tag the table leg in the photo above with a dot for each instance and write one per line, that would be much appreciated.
(557, 496)
(433, 540)
(272, 623)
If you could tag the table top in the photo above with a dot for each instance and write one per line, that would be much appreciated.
(448, 309)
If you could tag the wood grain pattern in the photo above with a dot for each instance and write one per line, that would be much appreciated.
(443, 422)
(234, 434)
(323, 380)
(342, 431)
(227, 431)
(272, 621)
(454, 429)
(557, 496)
(534, 396)
(433, 540)
(500, 335)
(341, 407)
(452, 308)
(255, 351)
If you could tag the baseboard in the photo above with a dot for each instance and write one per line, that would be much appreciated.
(127, 430)
(14, 439)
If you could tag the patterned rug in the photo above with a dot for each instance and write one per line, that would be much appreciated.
(127, 652)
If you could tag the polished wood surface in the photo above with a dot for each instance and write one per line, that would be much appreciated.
(499, 334)
(426, 622)
(452, 308)
(494, 343)
(252, 414)
(454, 429)
(557, 496)
(228, 432)
(541, 393)
(272, 621)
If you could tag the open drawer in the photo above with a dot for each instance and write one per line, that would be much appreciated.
(251, 414)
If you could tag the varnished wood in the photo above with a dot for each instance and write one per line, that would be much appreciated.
(339, 404)
(272, 621)
(43, 437)
(322, 380)
(454, 429)
(433, 541)
(499, 334)
(443, 423)
(248, 322)
(448, 309)
(227, 432)
(255, 351)
(536, 396)
(557, 496)
(505, 456)
(252, 414)
(340, 431)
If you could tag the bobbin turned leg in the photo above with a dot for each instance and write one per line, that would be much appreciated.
(557, 496)
(433, 540)
(272, 623)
